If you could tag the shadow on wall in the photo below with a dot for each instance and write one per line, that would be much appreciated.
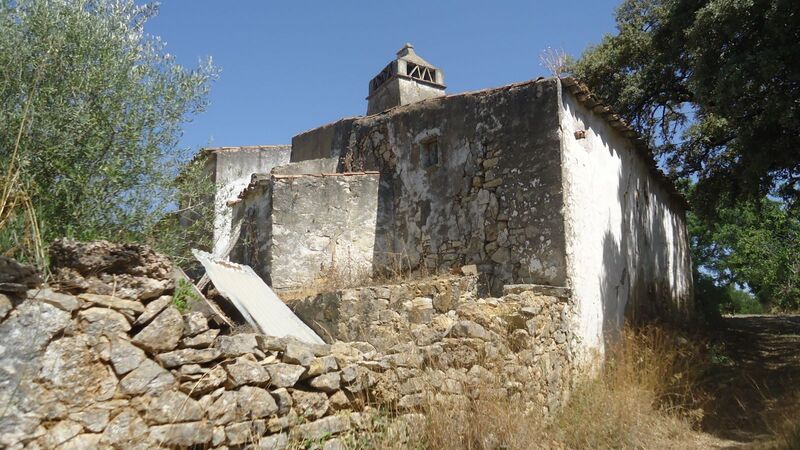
(642, 277)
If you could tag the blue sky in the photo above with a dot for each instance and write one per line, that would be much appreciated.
(290, 66)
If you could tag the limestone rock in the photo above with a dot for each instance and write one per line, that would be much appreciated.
(194, 323)
(82, 442)
(297, 353)
(255, 403)
(106, 257)
(202, 340)
(420, 310)
(94, 418)
(109, 301)
(321, 428)
(72, 372)
(16, 277)
(284, 375)
(311, 405)
(192, 369)
(217, 437)
(61, 301)
(243, 432)
(329, 382)
(125, 356)
(277, 424)
(125, 430)
(283, 399)
(188, 356)
(339, 401)
(322, 365)
(163, 333)
(278, 441)
(173, 406)
(469, 329)
(214, 379)
(61, 433)
(148, 377)
(246, 371)
(152, 309)
(271, 343)
(27, 331)
(99, 321)
(223, 409)
(5, 306)
(182, 434)
(236, 345)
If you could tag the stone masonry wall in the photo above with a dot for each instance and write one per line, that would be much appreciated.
(493, 199)
(252, 214)
(101, 358)
(384, 315)
(319, 222)
(525, 335)
(294, 227)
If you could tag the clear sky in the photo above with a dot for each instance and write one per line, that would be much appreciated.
(291, 65)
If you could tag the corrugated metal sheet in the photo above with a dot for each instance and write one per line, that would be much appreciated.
(259, 305)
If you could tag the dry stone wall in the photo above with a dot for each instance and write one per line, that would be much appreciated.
(523, 339)
(102, 358)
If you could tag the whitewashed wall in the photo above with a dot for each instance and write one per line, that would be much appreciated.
(626, 239)
(234, 168)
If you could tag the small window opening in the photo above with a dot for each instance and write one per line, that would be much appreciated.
(430, 153)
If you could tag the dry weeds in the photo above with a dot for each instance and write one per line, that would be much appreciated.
(645, 397)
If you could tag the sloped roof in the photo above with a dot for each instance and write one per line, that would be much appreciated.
(598, 106)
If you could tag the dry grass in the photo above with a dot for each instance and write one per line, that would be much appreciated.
(785, 427)
(644, 397)
(20, 230)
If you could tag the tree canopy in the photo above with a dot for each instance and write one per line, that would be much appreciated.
(714, 85)
(91, 109)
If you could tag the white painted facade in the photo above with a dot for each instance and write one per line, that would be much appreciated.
(233, 168)
(626, 240)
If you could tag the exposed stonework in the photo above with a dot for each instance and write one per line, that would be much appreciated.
(230, 169)
(71, 383)
(497, 179)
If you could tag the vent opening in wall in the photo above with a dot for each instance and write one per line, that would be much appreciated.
(430, 153)
(421, 72)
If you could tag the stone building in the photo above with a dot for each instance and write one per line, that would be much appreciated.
(533, 183)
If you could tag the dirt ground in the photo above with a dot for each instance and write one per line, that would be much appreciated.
(756, 379)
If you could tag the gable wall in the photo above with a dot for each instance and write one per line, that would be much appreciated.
(234, 168)
(626, 239)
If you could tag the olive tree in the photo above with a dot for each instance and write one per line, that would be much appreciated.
(91, 110)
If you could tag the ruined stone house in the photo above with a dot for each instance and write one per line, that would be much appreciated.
(535, 182)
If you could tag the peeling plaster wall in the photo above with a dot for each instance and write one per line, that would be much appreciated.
(309, 166)
(253, 215)
(627, 245)
(319, 222)
(326, 141)
(233, 169)
(493, 199)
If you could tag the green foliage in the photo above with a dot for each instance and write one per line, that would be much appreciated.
(191, 225)
(714, 86)
(184, 295)
(98, 151)
(755, 245)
